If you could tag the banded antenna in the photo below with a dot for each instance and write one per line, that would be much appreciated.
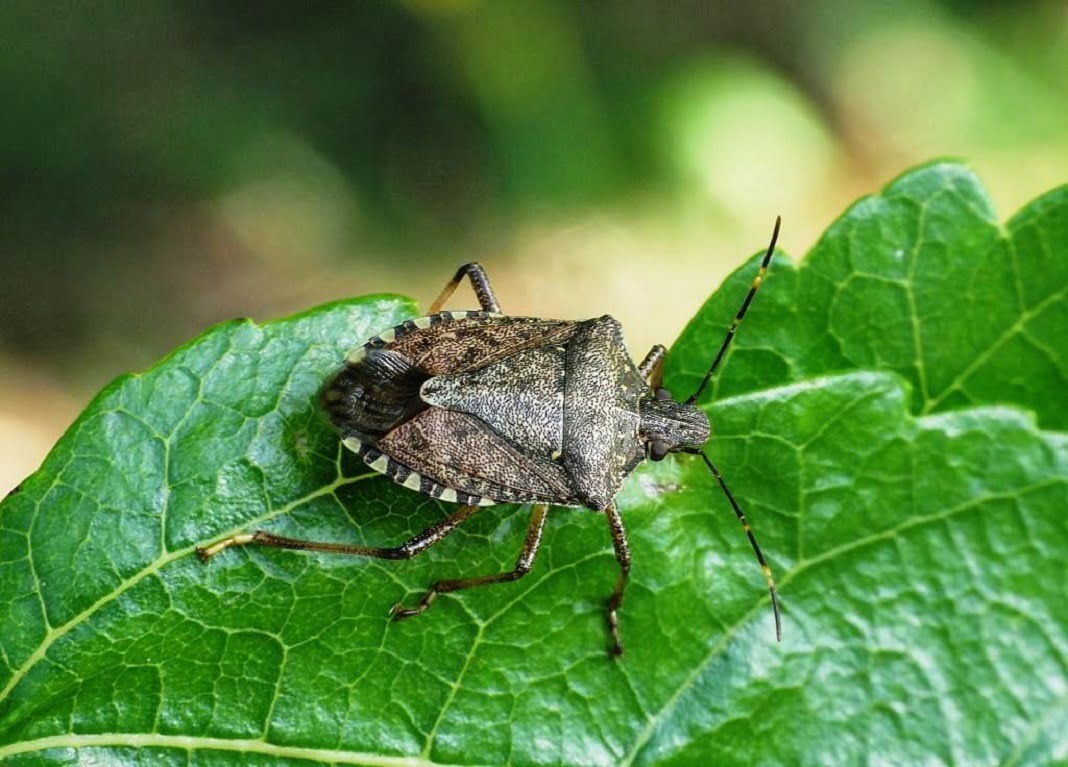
(752, 540)
(711, 467)
(739, 316)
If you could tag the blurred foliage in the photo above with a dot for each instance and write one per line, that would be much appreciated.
(170, 164)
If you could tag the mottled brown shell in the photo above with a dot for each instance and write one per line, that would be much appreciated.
(479, 408)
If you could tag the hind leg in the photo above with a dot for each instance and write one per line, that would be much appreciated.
(406, 550)
(479, 283)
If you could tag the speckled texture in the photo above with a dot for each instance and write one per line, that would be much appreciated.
(601, 423)
(456, 342)
(461, 452)
(542, 410)
(529, 416)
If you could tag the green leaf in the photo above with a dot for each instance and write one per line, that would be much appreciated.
(887, 419)
(919, 280)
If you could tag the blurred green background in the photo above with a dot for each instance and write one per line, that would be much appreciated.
(166, 165)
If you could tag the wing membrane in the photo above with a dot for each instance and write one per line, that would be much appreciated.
(460, 452)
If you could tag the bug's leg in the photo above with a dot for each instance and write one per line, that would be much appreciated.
(406, 550)
(652, 367)
(622, 549)
(479, 283)
(522, 567)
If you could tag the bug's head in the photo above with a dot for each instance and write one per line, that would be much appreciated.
(669, 427)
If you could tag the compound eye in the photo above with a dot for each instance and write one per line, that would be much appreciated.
(658, 448)
(663, 394)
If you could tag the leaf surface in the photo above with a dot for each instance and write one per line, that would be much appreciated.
(890, 419)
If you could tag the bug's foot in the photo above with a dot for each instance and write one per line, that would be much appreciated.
(399, 612)
(207, 552)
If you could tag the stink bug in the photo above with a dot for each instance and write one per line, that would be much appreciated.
(478, 408)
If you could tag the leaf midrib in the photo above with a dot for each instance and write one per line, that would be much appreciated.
(193, 743)
(57, 632)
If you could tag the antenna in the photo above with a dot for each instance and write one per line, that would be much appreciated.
(752, 540)
(739, 316)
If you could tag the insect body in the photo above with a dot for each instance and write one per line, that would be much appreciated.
(478, 407)
(481, 408)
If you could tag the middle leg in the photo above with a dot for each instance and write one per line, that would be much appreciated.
(522, 567)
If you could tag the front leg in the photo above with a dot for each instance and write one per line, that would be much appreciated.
(479, 283)
(652, 367)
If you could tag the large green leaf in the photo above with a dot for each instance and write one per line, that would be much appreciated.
(877, 420)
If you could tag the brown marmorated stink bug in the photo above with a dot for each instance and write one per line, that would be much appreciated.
(478, 408)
